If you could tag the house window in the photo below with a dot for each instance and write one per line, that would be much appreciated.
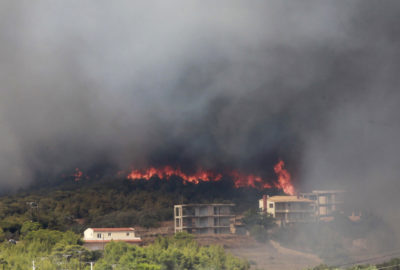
(109, 234)
(99, 235)
(271, 205)
(127, 234)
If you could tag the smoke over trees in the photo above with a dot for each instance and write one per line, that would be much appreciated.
(230, 85)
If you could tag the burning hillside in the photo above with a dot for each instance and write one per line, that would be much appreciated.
(240, 179)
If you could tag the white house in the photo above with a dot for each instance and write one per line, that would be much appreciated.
(96, 238)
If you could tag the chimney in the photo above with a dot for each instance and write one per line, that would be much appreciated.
(265, 198)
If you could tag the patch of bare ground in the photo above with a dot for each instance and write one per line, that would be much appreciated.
(148, 235)
(271, 255)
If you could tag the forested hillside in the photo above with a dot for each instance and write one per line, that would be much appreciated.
(112, 203)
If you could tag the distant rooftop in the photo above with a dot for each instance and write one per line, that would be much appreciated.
(112, 229)
(206, 204)
(288, 199)
(328, 191)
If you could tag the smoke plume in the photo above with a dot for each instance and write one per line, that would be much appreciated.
(233, 84)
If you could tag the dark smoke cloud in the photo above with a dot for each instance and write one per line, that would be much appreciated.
(228, 85)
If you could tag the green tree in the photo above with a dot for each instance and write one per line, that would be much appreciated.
(2, 235)
(180, 252)
(29, 226)
(3, 263)
(254, 217)
(258, 223)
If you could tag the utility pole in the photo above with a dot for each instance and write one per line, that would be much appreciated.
(80, 252)
(34, 205)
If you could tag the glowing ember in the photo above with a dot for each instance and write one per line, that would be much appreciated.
(243, 180)
(284, 180)
(77, 174)
(239, 179)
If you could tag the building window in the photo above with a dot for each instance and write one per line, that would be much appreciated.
(177, 222)
(109, 234)
(127, 234)
(271, 205)
(99, 235)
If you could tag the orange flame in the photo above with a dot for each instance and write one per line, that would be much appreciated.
(251, 180)
(239, 179)
(284, 178)
(77, 174)
(167, 171)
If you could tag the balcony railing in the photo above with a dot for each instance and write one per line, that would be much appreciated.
(209, 215)
(294, 210)
(204, 227)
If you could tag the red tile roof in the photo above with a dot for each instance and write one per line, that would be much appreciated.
(112, 229)
(115, 240)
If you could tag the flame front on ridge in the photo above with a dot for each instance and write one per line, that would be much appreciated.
(167, 171)
(239, 179)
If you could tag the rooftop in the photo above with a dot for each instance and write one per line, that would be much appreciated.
(327, 191)
(288, 199)
(206, 204)
(112, 229)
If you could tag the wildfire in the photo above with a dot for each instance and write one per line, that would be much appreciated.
(77, 174)
(240, 179)
(243, 180)
(167, 171)
(284, 179)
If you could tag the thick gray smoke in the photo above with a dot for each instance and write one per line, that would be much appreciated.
(227, 85)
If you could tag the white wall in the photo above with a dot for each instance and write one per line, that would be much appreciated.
(89, 234)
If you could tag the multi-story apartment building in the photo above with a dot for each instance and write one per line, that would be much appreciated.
(319, 205)
(327, 202)
(288, 209)
(203, 218)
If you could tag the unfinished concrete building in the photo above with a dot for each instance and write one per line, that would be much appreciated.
(288, 209)
(327, 202)
(203, 218)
